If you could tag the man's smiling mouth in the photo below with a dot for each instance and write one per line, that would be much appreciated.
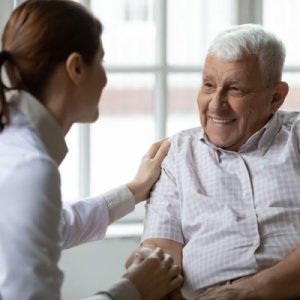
(221, 120)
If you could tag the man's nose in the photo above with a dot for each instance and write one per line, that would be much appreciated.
(218, 100)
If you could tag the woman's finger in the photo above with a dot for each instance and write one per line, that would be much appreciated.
(168, 261)
(174, 271)
(159, 252)
(176, 283)
(162, 151)
(154, 148)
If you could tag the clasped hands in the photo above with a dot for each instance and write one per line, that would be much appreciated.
(160, 277)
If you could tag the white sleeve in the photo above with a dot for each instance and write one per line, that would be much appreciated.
(87, 220)
(30, 209)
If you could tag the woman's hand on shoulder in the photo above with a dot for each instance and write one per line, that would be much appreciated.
(149, 170)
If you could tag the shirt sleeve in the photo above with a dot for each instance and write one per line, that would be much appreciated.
(124, 289)
(29, 231)
(87, 220)
(163, 218)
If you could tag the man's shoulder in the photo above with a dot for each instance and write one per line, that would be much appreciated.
(187, 135)
(289, 118)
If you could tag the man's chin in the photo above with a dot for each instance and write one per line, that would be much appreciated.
(224, 143)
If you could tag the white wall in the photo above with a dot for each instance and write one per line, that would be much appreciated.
(94, 266)
(6, 7)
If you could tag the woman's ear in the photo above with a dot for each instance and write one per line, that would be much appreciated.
(75, 67)
(281, 89)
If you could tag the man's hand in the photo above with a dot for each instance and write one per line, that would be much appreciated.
(175, 295)
(242, 289)
(229, 292)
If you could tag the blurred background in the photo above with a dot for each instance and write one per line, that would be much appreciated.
(154, 52)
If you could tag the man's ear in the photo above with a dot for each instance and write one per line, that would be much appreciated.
(281, 89)
(75, 67)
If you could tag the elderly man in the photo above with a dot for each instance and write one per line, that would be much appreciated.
(227, 205)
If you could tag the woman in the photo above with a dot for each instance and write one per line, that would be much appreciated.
(52, 53)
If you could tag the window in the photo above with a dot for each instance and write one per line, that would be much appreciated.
(136, 10)
(283, 20)
(154, 55)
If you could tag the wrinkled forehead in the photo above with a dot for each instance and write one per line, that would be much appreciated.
(244, 67)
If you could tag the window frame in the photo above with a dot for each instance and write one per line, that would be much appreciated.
(245, 11)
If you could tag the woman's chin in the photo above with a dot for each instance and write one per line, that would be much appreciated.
(94, 117)
(91, 118)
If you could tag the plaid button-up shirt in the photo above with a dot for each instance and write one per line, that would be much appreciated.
(236, 213)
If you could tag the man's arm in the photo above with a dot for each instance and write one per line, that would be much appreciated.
(171, 247)
(280, 282)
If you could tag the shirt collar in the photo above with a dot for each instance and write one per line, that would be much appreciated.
(270, 131)
(260, 140)
(48, 129)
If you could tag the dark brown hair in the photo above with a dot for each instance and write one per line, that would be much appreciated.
(41, 34)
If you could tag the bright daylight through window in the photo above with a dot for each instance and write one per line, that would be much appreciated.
(154, 56)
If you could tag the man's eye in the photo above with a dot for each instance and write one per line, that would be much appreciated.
(208, 87)
(234, 88)
(235, 91)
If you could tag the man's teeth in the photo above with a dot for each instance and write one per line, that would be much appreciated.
(222, 121)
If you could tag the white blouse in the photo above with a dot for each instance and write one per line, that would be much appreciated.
(34, 227)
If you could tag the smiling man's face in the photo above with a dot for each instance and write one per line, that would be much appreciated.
(234, 101)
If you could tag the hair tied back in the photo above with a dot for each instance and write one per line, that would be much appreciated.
(4, 55)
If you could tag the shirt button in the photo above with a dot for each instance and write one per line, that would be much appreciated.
(255, 243)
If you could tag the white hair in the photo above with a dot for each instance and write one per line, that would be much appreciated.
(250, 39)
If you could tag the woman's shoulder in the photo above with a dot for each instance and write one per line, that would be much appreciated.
(22, 151)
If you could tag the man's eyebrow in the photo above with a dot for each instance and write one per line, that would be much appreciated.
(232, 81)
(207, 77)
